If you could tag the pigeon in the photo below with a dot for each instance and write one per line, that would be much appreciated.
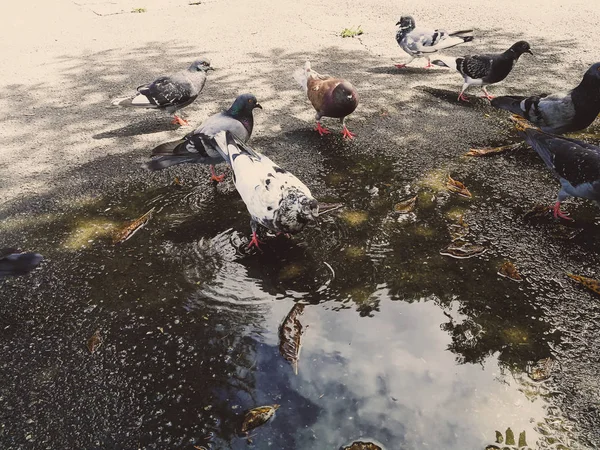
(576, 164)
(196, 147)
(172, 92)
(420, 43)
(331, 97)
(14, 263)
(560, 113)
(275, 198)
(481, 70)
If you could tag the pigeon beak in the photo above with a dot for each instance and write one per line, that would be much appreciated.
(210, 68)
(397, 23)
(258, 106)
(530, 52)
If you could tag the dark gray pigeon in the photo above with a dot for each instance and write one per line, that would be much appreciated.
(13, 262)
(482, 70)
(275, 198)
(197, 148)
(331, 97)
(421, 42)
(560, 113)
(575, 163)
(172, 92)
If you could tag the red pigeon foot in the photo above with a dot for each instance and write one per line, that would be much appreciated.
(488, 96)
(321, 130)
(255, 241)
(347, 134)
(429, 65)
(179, 121)
(463, 98)
(400, 66)
(558, 213)
(214, 176)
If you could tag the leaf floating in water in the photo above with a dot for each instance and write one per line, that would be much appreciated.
(257, 417)
(463, 251)
(129, 230)
(457, 187)
(360, 445)
(590, 283)
(510, 437)
(406, 206)
(541, 370)
(290, 336)
(458, 230)
(508, 270)
(94, 342)
(487, 151)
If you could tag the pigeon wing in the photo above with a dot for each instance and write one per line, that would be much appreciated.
(476, 66)
(431, 41)
(167, 92)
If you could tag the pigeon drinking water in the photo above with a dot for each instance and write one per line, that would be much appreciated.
(275, 198)
(482, 70)
(171, 93)
(196, 147)
(331, 97)
(420, 42)
(564, 112)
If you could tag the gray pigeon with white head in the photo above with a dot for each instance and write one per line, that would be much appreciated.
(422, 42)
(197, 148)
(275, 198)
(173, 92)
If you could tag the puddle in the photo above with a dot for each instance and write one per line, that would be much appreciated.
(401, 345)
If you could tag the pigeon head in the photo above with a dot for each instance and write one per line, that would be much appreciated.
(295, 211)
(519, 48)
(244, 105)
(593, 73)
(406, 23)
(201, 65)
(345, 98)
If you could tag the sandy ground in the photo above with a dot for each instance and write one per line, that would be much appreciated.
(64, 61)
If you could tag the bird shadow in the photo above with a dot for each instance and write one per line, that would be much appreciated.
(450, 97)
(145, 126)
(392, 70)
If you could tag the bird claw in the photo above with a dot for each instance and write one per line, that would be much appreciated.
(217, 178)
(179, 121)
(463, 98)
(400, 66)
(347, 134)
(429, 65)
(488, 96)
(321, 129)
(558, 214)
(255, 241)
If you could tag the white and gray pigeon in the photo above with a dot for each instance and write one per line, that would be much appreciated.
(275, 198)
(171, 93)
(564, 112)
(421, 42)
(13, 262)
(482, 70)
(197, 148)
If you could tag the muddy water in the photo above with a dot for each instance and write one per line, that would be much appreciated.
(401, 345)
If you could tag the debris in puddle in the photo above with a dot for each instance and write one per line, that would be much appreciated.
(487, 151)
(541, 370)
(458, 230)
(94, 342)
(589, 283)
(354, 218)
(177, 182)
(128, 231)
(372, 190)
(463, 251)
(257, 417)
(406, 206)
(537, 211)
(360, 445)
(457, 187)
(508, 270)
(290, 336)
(565, 233)
(326, 208)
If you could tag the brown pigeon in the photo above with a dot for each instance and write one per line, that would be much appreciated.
(331, 97)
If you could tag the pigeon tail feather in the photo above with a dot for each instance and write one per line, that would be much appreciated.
(19, 263)
(169, 148)
(138, 101)
(509, 103)
(302, 75)
(163, 162)
(457, 33)
(448, 62)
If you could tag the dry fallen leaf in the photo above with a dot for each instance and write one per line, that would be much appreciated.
(406, 206)
(590, 283)
(94, 342)
(257, 417)
(290, 335)
(457, 187)
(486, 151)
(130, 229)
(508, 270)
(541, 370)
(359, 445)
(463, 251)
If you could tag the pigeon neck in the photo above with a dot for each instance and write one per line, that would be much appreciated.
(244, 116)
